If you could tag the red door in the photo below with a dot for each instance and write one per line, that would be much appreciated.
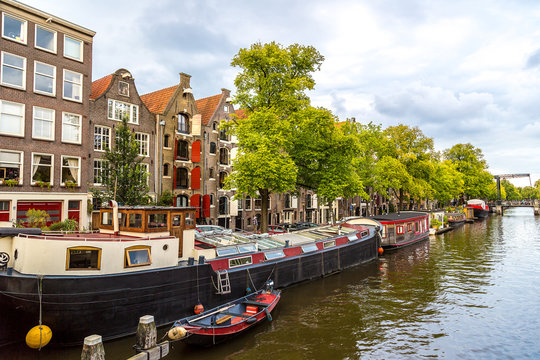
(53, 209)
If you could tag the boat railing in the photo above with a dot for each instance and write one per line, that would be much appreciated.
(86, 239)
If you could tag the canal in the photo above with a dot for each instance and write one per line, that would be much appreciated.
(473, 293)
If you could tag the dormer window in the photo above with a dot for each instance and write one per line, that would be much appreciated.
(183, 123)
(226, 108)
(123, 88)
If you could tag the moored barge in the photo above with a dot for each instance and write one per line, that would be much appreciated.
(150, 263)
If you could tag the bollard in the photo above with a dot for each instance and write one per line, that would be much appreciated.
(93, 348)
(146, 333)
(201, 259)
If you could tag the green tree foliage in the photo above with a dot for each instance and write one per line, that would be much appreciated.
(271, 86)
(165, 199)
(512, 193)
(125, 178)
(529, 193)
(469, 161)
(447, 182)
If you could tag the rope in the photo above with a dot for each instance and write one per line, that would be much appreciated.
(250, 279)
(40, 291)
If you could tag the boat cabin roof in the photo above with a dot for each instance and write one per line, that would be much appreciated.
(148, 219)
(401, 216)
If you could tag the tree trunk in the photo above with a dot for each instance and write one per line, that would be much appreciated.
(264, 193)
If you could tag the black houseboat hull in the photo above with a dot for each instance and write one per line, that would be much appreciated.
(480, 213)
(110, 305)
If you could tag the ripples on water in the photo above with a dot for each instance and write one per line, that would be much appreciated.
(472, 293)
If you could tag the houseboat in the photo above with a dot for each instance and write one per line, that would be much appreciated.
(479, 207)
(147, 260)
(456, 219)
(397, 229)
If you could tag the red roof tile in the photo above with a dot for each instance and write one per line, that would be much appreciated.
(157, 101)
(241, 113)
(207, 107)
(99, 86)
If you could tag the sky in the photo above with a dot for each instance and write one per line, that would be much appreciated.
(462, 71)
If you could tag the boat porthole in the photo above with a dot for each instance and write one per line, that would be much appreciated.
(15, 254)
(165, 247)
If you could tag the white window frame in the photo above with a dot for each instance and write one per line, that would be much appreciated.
(24, 28)
(22, 116)
(21, 162)
(111, 107)
(96, 127)
(34, 136)
(32, 182)
(126, 86)
(141, 143)
(62, 168)
(81, 51)
(55, 39)
(45, 75)
(64, 86)
(69, 124)
(23, 87)
(103, 165)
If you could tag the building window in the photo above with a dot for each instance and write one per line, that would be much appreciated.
(123, 88)
(239, 202)
(42, 168)
(83, 258)
(182, 201)
(226, 108)
(211, 173)
(101, 170)
(224, 156)
(102, 138)
(165, 169)
(222, 207)
(43, 124)
(182, 150)
(71, 128)
(258, 203)
(248, 203)
(287, 201)
(308, 201)
(73, 48)
(183, 123)
(143, 140)
(45, 39)
(212, 148)
(222, 177)
(14, 28)
(117, 110)
(214, 126)
(13, 70)
(223, 135)
(211, 199)
(138, 256)
(72, 86)
(11, 165)
(181, 178)
(44, 78)
(71, 170)
(4, 210)
(11, 118)
(166, 141)
(145, 171)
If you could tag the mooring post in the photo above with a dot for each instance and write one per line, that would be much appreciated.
(146, 333)
(93, 348)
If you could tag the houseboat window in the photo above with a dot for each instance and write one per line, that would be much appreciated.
(227, 251)
(271, 255)
(383, 232)
(122, 219)
(399, 229)
(106, 218)
(409, 227)
(138, 256)
(246, 260)
(417, 226)
(328, 244)
(135, 221)
(309, 248)
(247, 248)
(177, 220)
(189, 218)
(158, 220)
(83, 258)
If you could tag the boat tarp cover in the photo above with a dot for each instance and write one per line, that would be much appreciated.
(404, 215)
(11, 231)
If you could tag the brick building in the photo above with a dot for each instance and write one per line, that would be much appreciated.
(113, 97)
(46, 68)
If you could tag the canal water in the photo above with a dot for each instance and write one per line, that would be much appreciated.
(473, 293)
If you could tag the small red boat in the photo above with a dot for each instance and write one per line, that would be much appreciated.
(228, 320)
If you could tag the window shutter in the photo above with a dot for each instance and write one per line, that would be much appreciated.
(195, 201)
(196, 151)
(196, 178)
(175, 155)
(206, 206)
(174, 177)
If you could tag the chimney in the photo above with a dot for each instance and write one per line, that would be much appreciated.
(185, 80)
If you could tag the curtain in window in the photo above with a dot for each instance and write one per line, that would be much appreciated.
(74, 168)
(37, 159)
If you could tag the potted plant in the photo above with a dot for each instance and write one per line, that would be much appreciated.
(43, 184)
(11, 182)
(70, 184)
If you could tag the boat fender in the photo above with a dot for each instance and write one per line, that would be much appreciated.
(199, 308)
(268, 316)
(38, 336)
(251, 320)
(381, 251)
(248, 290)
(176, 333)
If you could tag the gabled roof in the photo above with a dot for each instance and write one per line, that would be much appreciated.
(207, 107)
(99, 86)
(157, 101)
(241, 113)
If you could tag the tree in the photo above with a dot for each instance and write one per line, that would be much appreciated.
(271, 87)
(125, 178)
(469, 161)
(529, 193)
(447, 182)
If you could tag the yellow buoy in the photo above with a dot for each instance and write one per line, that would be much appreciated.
(176, 333)
(38, 336)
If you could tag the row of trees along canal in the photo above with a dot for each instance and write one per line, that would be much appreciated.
(285, 144)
